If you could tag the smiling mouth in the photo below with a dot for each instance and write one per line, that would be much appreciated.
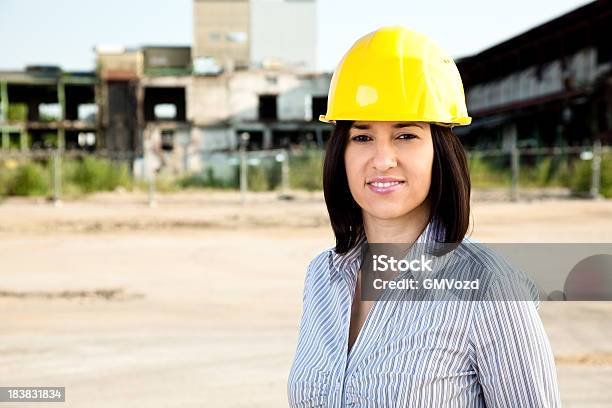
(386, 184)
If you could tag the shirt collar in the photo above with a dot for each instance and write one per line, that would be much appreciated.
(347, 262)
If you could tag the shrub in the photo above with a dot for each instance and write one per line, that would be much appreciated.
(489, 172)
(207, 178)
(580, 179)
(257, 179)
(29, 179)
(548, 171)
(94, 174)
(195, 180)
(306, 170)
(273, 172)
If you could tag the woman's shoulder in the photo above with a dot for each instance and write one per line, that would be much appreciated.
(320, 262)
(316, 269)
(323, 257)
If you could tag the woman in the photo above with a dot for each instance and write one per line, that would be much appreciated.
(394, 172)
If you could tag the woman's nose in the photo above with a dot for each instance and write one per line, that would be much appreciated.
(385, 157)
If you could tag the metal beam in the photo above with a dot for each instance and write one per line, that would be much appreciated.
(72, 80)
(5, 108)
(61, 99)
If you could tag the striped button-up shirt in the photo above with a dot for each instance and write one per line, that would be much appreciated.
(417, 353)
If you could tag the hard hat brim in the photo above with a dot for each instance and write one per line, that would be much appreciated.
(459, 122)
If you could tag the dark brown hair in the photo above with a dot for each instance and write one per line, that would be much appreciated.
(449, 193)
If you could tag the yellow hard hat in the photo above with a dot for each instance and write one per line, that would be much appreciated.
(397, 74)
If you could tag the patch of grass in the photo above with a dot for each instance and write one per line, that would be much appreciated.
(28, 179)
(489, 172)
(549, 171)
(208, 179)
(94, 174)
(257, 179)
(306, 170)
(580, 177)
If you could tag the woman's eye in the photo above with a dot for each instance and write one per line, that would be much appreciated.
(406, 136)
(360, 138)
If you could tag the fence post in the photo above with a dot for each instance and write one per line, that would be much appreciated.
(57, 178)
(4, 107)
(244, 138)
(514, 156)
(285, 172)
(151, 195)
(596, 170)
(149, 173)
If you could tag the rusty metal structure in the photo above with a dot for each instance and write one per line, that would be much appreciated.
(548, 86)
(41, 107)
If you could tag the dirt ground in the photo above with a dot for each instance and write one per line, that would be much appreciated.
(196, 302)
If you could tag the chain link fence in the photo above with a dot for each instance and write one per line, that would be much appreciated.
(583, 171)
(54, 173)
(580, 170)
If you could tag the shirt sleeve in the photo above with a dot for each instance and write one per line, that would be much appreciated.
(513, 356)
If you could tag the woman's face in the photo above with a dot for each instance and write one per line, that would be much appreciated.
(388, 166)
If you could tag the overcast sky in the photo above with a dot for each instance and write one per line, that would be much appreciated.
(64, 32)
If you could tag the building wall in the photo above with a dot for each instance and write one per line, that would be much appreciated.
(218, 106)
(245, 88)
(293, 93)
(121, 65)
(216, 138)
(207, 100)
(215, 24)
(235, 97)
(296, 103)
(184, 156)
(285, 32)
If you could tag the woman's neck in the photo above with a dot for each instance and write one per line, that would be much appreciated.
(405, 229)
